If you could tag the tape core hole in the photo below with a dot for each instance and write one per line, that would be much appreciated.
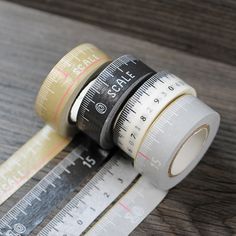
(188, 151)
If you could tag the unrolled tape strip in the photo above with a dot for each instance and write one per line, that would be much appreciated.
(166, 140)
(30, 158)
(136, 204)
(32, 209)
(53, 104)
(80, 212)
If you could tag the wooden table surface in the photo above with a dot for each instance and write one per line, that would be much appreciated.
(204, 27)
(31, 42)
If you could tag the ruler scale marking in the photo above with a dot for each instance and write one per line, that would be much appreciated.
(36, 204)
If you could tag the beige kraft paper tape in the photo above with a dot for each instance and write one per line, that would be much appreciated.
(53, 105)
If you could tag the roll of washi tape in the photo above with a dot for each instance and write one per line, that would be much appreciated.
(144, 106)
(176, 141)
(105, 97)
(53, 105)
(146, 133)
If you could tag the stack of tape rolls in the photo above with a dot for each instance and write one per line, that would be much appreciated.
(161, 124)
(154, 117)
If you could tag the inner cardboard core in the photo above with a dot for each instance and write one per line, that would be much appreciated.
(188, 151)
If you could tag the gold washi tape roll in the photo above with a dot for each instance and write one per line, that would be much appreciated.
(63, 84)
(53, 105)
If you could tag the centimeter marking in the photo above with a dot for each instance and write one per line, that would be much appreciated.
(29, 159)
(102, 189)
(65, 73)
(127, 213)
(103, 77)
(157, 150)
(106, 96)
(30, 211)
(143, 107)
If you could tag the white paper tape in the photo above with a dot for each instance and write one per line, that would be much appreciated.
(176, 141)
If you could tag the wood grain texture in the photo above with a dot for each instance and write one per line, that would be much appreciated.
(204, 27)
(31, 42)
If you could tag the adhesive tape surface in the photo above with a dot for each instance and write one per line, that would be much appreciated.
(144, 106)
(176, 141)
(75, 108)
(63, 84)
(29, 159)
(106, 96)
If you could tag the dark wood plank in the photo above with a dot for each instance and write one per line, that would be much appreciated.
(31, 42)
(205, 27)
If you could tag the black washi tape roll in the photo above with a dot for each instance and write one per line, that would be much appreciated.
(104, 99)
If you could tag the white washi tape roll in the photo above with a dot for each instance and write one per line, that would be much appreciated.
(176, 141)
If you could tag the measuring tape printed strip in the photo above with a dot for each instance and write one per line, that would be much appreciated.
(74, 219)
(105, 187)
(75, 107)
(129, 211)
(105, 97)
(53, 104)
(31, 210)
(29, 159)
(144, 106)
